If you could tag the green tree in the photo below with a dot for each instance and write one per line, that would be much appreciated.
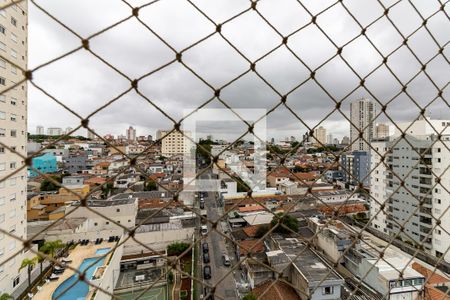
(177, 248)
(40, 259)
(286, 220)
(51, 247)
(150, 186)
(250, 296)
(6, 296)
(47, 185)
(29, 264)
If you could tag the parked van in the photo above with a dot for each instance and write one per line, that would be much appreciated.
(226, 260)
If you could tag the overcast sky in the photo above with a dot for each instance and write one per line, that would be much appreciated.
(84, 83)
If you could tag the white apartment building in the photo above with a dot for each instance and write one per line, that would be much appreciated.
(320, 135)
(378, 179)
(362, 114)
(131, 134)
(381, 131)
(420, 177)
(40, 130)
(173, 143)
(13, 133)
(54, 131)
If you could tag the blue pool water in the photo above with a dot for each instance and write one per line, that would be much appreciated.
(80, 289)
(102, 251)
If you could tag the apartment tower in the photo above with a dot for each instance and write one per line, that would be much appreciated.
(412, 184)
(13, 134)
(362, 114)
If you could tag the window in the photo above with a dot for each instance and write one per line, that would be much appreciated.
(2, 132)
(328, 290)
(2, 150)
(2, 81)
(13, 21)
(2, 166)
(12, 213)
(2, 29)
(13, 101)
(12, 165)
(13, 132)
(3, 46)
(2, 115)
(13, 53)
(16, 281)
(13, 117)
(12, 182)
(13, 37)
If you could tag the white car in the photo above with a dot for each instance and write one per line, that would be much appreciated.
(204, 230)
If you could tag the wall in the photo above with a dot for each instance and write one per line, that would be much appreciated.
(157, 240)
(111, 275)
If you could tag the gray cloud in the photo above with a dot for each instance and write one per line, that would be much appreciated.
(84, 83)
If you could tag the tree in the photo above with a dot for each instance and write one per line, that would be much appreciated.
(250, 296)
(29, 264)
(286, 220)
(261, 231)
(47, 185)
(150, 186)
(51, 247)
(6, 296)
(40, 259)
(177, 248)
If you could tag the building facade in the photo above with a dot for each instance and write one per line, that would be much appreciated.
(54, 131)
(131, 134)
(362, 114)
(173, 143)
(414, 197)
(45, 164)
(13, 132)
(356, 167)
(40, 130)
(381, 131)
(320, 135)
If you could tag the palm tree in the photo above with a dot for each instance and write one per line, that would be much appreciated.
(6, 296)
(51, 247)
(40, 259)
(29, 264)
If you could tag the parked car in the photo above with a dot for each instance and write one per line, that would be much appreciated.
(205, 247)
(226, 260)
(204, 230)
(205, 258)
(207, 272)
(202, 204)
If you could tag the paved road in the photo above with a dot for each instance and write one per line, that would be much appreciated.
(226, 288)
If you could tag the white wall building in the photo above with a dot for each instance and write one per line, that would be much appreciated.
(362, 113)
(54, 131)
(174, 143)
(422, 200)
(13, 132)
(40, 130)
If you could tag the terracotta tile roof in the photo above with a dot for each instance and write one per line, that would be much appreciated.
(251, 246)
(277, 291)
(251, 208)
(250, 231)
(303, 176)
(432, 277)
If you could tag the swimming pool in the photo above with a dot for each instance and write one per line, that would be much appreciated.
(80, 289)
(102, 251)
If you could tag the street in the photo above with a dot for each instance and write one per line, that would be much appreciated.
(226, 288)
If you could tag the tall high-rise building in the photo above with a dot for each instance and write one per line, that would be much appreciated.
(362, 113)
(381, 131)
(173, 143)
(320, 135)
(54, 131)
(68, 130)
(131, 134)
(329, 139)
(13, 132)
(40, 130)
(407, 184)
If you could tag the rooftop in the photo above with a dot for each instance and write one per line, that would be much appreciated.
(275, 291)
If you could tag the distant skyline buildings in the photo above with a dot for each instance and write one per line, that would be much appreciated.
(40, 130)
(362, 114)
(131, 134)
